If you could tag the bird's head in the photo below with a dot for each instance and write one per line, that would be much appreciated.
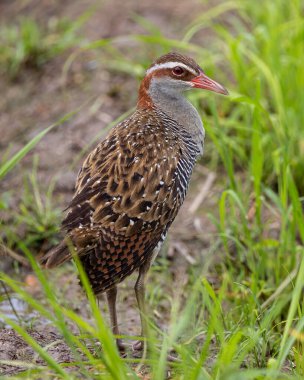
(174, 73)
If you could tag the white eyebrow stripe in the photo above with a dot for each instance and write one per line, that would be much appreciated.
(170, 65)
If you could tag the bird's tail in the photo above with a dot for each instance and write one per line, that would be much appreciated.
(57, 256)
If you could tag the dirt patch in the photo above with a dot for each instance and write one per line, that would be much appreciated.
(14, 348)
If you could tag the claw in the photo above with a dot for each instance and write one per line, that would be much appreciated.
(138, 345)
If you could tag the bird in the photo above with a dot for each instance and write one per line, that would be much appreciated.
(132, 185)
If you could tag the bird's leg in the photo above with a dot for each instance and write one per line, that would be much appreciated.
(111, 297)
(140, 297)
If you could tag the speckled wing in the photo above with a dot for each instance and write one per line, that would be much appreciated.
(128, 192)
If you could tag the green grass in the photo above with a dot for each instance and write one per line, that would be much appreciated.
(36, 216)
(250, 326)
(28, 44)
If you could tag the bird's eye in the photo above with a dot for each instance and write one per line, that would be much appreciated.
(177, 70)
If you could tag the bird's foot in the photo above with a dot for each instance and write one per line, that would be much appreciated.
(172, 358)
(138, 345)
(121, 347)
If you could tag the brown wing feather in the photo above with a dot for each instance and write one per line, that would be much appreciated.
(126, 198)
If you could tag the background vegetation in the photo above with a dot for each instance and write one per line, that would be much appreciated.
(238, 312)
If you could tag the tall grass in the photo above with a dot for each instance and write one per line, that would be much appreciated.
(250, 326)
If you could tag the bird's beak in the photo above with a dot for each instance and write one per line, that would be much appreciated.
(202, 81)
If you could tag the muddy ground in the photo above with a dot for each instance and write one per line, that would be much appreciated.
(36, 99)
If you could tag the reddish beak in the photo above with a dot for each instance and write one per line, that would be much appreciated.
(202, 81)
